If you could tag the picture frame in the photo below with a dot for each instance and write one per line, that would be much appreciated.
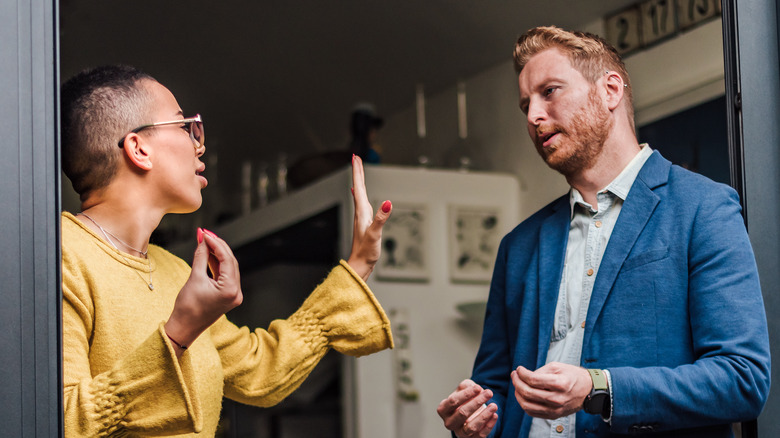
(405, 244)
(474, 233)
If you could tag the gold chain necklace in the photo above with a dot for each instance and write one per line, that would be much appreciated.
(151, 286)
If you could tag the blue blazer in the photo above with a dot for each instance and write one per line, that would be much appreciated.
(676, 314)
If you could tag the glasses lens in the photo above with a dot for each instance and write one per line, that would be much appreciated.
(197, 134)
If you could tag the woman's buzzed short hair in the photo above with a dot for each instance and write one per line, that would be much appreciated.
(99, 106)
(590, 54)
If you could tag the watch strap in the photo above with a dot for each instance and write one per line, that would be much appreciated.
(599, 379)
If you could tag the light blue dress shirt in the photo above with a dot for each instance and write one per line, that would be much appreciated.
(589, 234)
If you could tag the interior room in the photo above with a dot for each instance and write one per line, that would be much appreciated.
(276, 83)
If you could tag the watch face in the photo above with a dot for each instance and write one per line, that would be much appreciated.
(596, 402)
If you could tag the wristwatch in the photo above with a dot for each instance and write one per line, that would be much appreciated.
(597, 402)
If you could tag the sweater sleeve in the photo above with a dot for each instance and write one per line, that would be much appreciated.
(145, 391)
(265, 366)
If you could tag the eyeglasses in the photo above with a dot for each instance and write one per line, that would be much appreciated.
(193, 125)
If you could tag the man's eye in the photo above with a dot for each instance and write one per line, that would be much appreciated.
(186, 127)
(549, 90)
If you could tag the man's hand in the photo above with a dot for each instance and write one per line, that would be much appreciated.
(464, 412)
(367, 229)
(205, 299)
(553, 391)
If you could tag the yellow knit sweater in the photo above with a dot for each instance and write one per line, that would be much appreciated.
(121, 374)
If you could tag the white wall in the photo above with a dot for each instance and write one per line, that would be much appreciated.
(678, 74)
(442, 340)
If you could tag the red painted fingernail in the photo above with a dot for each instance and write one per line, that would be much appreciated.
(209, 233)
(352, 189)
(353, 158)
(386, 206)
(200, 235)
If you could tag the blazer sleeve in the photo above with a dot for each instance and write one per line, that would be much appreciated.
(728, 379)
(492, 364)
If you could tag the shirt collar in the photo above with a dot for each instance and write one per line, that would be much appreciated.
(621, 185)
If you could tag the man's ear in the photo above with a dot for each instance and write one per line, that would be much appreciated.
(138, 151)
(615, 87)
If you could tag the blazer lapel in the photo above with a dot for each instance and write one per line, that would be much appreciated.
(634, 215)
(552, 249)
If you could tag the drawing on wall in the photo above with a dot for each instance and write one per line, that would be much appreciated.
(404, 244)
(474, 236)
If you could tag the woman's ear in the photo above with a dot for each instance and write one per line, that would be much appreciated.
(615, 87)
(138, 151)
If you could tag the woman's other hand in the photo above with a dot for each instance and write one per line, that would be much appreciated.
(204, 298)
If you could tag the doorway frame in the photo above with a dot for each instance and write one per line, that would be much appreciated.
(30, 298)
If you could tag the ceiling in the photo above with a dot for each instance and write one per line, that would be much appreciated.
(271, 76)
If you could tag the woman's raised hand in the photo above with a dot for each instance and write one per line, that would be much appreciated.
(367, 228)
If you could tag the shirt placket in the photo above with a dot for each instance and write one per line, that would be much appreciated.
(593, 251)
(562, 427)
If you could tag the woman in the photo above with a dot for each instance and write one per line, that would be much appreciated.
(147, 348)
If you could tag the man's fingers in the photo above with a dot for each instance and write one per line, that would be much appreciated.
(476, 413)
(526, 393)
(527, 376)
(489, 425)
(450, 405)
(479, 421)
(462, 404)
(540, 379)
(465, 411)
(466, 383)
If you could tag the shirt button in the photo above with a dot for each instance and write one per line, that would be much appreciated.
(598, 224)
(559, 429)
(590, 272)
(583, 324)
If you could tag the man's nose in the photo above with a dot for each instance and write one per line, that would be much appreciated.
(536, 113)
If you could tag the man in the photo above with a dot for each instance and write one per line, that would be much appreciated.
(630, 305)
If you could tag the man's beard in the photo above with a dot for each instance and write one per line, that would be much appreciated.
(581, 142)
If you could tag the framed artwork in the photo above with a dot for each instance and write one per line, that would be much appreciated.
(474, 236)
(405, 244)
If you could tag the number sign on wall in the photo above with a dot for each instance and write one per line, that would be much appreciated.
(693, 12)
(623, 30)
(652, 21)
(657, 20)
